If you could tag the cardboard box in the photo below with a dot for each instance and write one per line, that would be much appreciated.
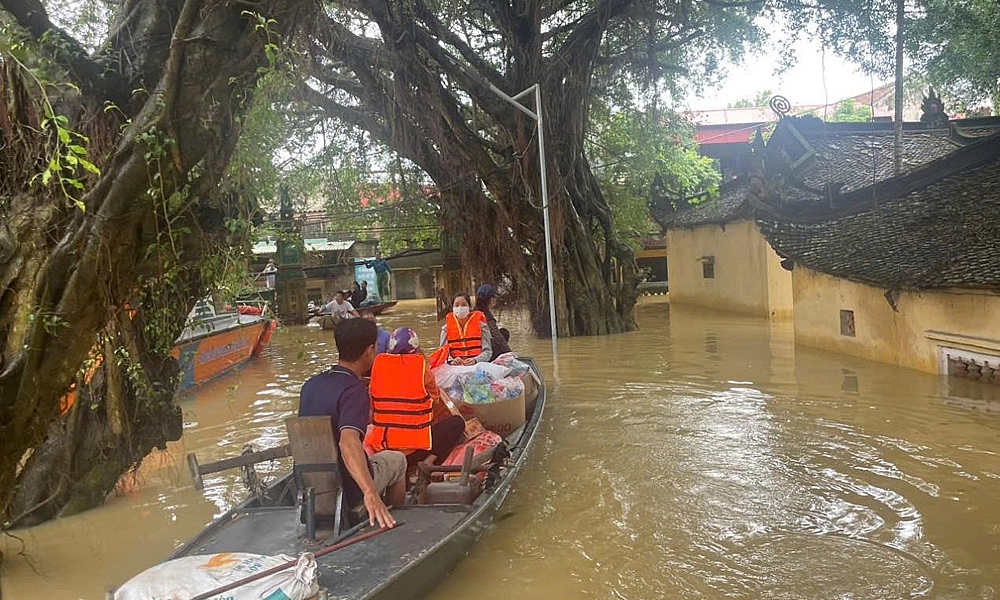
(530, 393)
(501, 417)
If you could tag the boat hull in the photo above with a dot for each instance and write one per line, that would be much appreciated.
(376, 309)
(404, 563)
(203, 358)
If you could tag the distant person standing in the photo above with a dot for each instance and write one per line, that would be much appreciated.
(382, 272)
(269, 273)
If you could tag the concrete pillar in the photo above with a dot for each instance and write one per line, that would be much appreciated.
(291, 284)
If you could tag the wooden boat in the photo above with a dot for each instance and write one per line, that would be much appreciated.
(210, 345)
(213, 343)
(402, 563)
(376, 309)
(329, 323)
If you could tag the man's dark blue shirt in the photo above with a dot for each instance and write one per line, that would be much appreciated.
(341, 395)
(380, 265)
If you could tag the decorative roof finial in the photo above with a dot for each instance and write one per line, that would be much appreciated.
(781, 106)
(933, 107)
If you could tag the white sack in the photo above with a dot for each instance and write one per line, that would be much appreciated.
(184, 578)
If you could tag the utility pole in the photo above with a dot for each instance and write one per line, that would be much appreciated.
(537, 116)
(898, 117)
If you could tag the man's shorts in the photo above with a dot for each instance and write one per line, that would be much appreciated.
(388, 467)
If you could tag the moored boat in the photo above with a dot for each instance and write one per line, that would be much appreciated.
(213, 343)
(402, 563)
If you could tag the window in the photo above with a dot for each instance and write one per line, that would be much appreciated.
(974, 378)
(847, 323)
(708, 267)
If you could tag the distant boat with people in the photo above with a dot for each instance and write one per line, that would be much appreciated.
(328, 322)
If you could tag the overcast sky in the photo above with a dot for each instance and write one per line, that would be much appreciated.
(801, 85)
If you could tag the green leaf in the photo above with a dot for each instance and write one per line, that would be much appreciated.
(63, 135)
(19, 52)
(89, 166)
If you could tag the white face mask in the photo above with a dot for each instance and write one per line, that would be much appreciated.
(461, 311)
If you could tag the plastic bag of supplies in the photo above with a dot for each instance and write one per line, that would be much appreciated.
(184, 578)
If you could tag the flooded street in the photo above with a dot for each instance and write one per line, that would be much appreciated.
(704, 456)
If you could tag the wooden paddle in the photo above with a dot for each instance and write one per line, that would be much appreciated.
(291, 563)
(232, 463)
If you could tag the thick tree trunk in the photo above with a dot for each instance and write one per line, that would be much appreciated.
(413, 94)
(66, 274)
(122, 411)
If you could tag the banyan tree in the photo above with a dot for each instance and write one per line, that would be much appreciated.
(420, 76)
(114, 136)
(110, 159)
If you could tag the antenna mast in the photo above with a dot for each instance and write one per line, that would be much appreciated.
(898, 117)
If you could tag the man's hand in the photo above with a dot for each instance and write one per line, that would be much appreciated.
(353, 453)
(377, 511)
(467, 362)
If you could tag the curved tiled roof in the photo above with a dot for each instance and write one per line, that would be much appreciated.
(729, 206)
(941, 231)
(846, 157)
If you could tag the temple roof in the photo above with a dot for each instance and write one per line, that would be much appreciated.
(729, 206)
(811, 165)
(809, 160)
(936, 227)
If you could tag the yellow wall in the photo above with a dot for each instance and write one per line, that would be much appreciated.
(910, 337)
(780, 300)
(748, 275)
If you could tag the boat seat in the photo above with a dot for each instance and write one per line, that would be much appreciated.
(315, 453)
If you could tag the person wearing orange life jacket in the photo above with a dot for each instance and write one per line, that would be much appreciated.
(409, 413)
(466, 333)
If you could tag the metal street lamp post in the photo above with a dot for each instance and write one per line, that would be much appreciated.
(537, 116)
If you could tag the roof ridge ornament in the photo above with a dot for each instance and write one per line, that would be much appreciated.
(933, 110)
(781, 106)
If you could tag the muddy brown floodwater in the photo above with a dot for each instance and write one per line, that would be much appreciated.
(705, 456)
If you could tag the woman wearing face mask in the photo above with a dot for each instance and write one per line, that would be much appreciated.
(466, 333)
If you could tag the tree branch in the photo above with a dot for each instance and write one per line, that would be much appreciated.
(89, 75)
(484, 68)
(580, 49)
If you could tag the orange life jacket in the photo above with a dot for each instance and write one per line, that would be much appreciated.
(402, 409)
(467, 341)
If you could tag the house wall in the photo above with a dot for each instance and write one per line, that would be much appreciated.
(326, 288)
(911, 337)
(412, 283)
(748, 275)
(780, 297)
